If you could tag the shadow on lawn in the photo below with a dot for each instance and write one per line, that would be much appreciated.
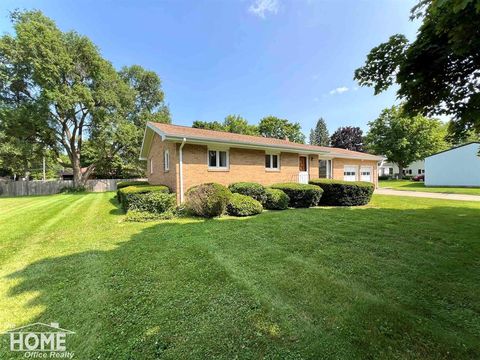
(249, 287)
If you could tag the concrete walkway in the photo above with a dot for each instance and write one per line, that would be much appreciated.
(430, 195)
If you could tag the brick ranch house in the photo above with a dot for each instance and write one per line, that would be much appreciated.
(181, 157)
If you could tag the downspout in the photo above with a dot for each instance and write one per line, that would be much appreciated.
(181, 169)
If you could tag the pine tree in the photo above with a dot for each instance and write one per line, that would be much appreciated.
(319, 136)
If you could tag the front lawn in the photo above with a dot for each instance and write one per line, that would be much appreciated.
(396, 279)
(420, 186)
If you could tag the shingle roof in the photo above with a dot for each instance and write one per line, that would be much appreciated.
(178, 131)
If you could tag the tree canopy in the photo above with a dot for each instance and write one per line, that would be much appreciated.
(404, 139)
(231, 123)
(271, 126)
(438, 73)
(319, 135)
(78, 96)
(349, 137)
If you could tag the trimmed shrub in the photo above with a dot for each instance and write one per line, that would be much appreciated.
(384, 177)
(153, 202)
(144, 216)
(124, 194)
(207, 200)
(123, 184)
(300, 195)
(276, 199)
(344, 193)
(254, 190)
(243, 205)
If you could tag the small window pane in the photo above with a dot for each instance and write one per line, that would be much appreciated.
(223, 158)
(267, 161)
(275, 161)
(212, 158)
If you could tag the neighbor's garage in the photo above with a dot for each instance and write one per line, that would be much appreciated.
(459, 166)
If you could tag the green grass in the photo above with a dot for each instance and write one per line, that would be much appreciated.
(396, 279)
(420, 186)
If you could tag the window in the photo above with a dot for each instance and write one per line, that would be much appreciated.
(151, 166)
(271, 162)
(166, 160)
(390, 171)
(217, 159)
(419, 171)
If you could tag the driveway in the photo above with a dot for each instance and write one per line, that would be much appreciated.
(427, 195)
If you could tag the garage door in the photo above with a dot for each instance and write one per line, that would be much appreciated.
(350, 173)
(366, 173)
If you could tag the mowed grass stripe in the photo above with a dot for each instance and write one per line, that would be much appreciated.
(13, 209)
(35, 227)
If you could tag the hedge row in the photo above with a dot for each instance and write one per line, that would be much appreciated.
(344, 193)
(300, 195)
(123, 184)
(130, 197)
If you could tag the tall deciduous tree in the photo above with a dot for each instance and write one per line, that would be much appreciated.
(319, 135)
(439, 72)
(349, 137)
(232, 123)
(274, 127)
(82, 92)
(404, 139)
(148, 105)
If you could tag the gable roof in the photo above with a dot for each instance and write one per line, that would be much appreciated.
(204, 136)
(455, 147)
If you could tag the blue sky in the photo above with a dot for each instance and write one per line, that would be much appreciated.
(291, 59)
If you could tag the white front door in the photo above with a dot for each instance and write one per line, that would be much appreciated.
(349, 173)
(303, 170)
(366, 173)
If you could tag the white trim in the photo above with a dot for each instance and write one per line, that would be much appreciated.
(365, 167)
(271, 168)
(217, 159)
(151, 165)
(166, 160)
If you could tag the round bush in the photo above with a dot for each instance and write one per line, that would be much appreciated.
(276, 199)
(243, 205)
(344, 193)
(207, 200)
(301, 195)
(254, 190)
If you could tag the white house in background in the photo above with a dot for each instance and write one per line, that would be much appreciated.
(459, 166)
(391, 169)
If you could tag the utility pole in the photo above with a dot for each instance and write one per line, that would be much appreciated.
(44, 169)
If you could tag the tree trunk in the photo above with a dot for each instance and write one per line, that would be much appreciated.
(77, 170)
(400, 172)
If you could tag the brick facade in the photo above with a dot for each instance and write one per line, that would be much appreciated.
(244, 165)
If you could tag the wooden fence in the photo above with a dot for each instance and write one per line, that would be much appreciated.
(38, 187)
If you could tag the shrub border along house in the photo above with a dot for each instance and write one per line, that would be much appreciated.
(207, 200)
(131, 194)
(344, 193)
(252, 189)
(276, 199)
(243, 205)
(300, 195)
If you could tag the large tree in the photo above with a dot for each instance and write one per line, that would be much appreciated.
(319, 135)
(348, 137)
(271, 126)
(82, 93)
(231, 123)
(116, 153)
(403, 138)
(439, 72)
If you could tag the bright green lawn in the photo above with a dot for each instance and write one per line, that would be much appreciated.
(420, 186)
(397, 279)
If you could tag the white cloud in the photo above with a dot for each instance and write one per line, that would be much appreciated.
(261, 7)
(339, 90)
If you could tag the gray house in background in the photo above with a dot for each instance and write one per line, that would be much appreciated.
(458, 166)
